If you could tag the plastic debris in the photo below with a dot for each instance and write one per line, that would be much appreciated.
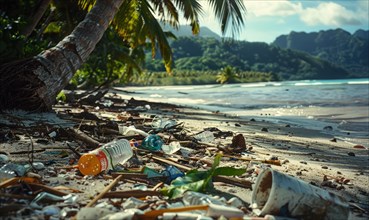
(171, 148)
(131, 130)
(172, 172)
(159, 122)
(11, 170)
(152, 143)
(205, 136)
(276, 193)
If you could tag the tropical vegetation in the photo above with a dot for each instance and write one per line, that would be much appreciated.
(34, 82)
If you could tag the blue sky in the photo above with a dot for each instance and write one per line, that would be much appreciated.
(265, 20)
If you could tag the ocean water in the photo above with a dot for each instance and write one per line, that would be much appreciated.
(313, 104)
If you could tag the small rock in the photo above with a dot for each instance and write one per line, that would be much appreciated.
(303, 162)
(252, 119)
(324, 167)
(265, 129)
(288, 126)
(338, 172)
(273, 157)
(238, 143)
(298, 173)
(351, 154)
(333, 140)
(237, 125)
(340, 187)
(328, 128)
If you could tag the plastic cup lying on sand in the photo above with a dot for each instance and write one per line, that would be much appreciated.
(276, 193)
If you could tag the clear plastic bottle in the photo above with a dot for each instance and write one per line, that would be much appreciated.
(105, 157)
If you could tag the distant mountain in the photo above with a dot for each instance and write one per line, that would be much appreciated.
(186, 31)
(350, 51)
(209, 54)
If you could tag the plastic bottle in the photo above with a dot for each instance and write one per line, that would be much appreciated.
(105, 157)
(152, 143)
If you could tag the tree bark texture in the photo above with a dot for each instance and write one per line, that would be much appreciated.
(33, 84)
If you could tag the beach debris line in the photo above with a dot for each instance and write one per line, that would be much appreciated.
(127, 159)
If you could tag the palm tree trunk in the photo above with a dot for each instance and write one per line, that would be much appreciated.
(36, 18)
(33, 84)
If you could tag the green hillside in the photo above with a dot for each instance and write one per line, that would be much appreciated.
(205, 54)
(350, 51)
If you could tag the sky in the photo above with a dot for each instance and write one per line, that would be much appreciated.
(267, 19)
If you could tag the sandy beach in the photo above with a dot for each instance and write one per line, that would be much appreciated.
(312, 156)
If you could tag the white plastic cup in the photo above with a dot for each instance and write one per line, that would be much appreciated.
(276, 193)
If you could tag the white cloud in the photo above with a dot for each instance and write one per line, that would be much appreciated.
(330, 14)
(272, 8)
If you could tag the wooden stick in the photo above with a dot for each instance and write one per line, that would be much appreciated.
(101, 195)
(182, 167)
(78, 134)
(233, 181)
(155, 213)
(36, 186)
(131, 193)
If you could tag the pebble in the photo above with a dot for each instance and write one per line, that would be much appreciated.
(333, 140)
(265, 129)
(273, 157)
(351, 154)
(328, 128)
(324, 167)
(298, 173)
(303, 162)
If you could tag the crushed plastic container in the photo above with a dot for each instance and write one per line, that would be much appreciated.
(11, 170)
(172, 172)
(276, 193)
(105, 157)
(205, 136)
(152, 143)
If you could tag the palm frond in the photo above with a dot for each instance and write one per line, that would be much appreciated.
(191, 11)
(229, 12)
(86, 4)
(167, 12)
(136, 23)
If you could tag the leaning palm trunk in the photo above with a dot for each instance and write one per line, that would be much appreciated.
(32, 84)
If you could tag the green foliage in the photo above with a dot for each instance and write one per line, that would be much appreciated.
(199, 181)
(193, 77)
(61, 96)
(247, 56)
(228, 74)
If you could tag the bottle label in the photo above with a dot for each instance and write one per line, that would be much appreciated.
(103, 159)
